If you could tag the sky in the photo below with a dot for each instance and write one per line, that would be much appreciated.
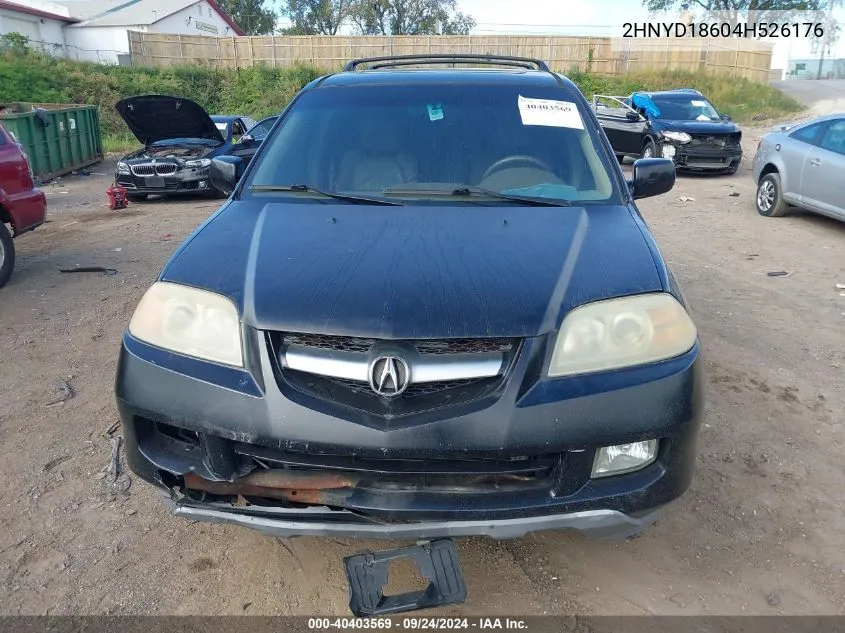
(562, 17)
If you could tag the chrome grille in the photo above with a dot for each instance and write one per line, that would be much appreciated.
(149, 169)
(426, 346)
(440, 372)
(421, 389)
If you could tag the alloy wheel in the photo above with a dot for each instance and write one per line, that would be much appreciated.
(765, 195)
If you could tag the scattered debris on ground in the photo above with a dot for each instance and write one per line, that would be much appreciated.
(90, 269)
(66, 393)
(117, 480)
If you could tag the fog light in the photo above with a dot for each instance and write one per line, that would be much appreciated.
(668, 151)
(624, 458)
(202, 184)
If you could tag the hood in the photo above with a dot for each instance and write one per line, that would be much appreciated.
(416, 271)
(153, 118)
(698, 127)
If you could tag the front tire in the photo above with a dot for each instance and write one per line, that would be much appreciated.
(650, 150)
(769, 199)
(7, 255)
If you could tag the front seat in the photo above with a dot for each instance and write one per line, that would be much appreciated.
(378, 162)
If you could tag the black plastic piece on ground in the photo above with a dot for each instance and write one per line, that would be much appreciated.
(90, 269)
(437, 560)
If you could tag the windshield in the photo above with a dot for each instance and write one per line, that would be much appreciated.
(685, 109)
(423, 142)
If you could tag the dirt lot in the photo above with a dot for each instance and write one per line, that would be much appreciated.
(760, 532)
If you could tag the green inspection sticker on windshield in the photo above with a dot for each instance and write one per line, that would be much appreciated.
(435, 111)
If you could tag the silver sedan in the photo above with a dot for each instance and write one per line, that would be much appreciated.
(802, 165)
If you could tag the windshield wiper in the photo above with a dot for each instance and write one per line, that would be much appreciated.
(328, 194)
(466, 191)
(527, 200)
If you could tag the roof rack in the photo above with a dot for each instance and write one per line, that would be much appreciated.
(435, 58)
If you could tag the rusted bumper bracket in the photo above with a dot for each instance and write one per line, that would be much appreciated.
(322, 488)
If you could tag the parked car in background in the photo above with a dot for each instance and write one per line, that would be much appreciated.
(802, 165)
(179, 139)
(678, 124)
(232, 127)
(506, 353)
(251, 141)
(22, 206)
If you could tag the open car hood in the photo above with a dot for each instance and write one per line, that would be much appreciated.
(153, 118)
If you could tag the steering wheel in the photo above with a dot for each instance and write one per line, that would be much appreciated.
(511, 161)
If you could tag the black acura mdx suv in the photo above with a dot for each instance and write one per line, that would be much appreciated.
(429, 307)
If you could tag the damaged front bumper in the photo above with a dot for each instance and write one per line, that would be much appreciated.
(691, 158)
(287, 523)
(328, 493)
(243, 447)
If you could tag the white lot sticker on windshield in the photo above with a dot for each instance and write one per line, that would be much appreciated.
(220, 126)
(549, 113)
(699, 104)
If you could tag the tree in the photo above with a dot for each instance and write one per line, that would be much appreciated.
(315, 17)
(822, 45)
(251, 15)
(409, 17)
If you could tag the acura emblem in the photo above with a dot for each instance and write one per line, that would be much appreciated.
(389, 376)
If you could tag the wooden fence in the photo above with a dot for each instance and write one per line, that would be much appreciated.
(731, 56)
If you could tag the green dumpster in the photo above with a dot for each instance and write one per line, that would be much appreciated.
(57, 138)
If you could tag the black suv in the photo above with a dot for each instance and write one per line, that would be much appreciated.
(679, 124)
(429, 307)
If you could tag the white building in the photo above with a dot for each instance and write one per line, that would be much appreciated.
(98, 30)
(43, 23)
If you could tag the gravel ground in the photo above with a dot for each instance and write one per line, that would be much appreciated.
(759, 532)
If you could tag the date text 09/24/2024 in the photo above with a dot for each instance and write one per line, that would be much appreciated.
(751, 30)
(418, 624)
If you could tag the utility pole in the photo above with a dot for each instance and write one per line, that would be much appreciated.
(828, 25)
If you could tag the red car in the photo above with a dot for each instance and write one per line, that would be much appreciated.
(21, 205)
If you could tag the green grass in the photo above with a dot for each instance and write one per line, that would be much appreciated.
(261, 90)
(37, 78)
(119, 143)
(742, 99)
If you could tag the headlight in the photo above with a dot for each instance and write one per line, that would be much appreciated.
(624, 458)
(189, 321)
(123, 168)
(622, 333)
(680, 137)
(202, 162)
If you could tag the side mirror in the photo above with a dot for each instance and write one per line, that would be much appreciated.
(652, 177)
(725, 117)
(632, 116)
(225, 172)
